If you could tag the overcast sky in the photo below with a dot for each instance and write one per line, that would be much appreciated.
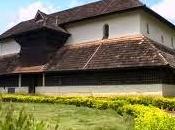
(15, 11)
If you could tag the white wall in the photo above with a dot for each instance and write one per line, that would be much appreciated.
(141, 89)
(168, 90)
(90, 30)
(9, 47)
(157, 29)
(17, 89)
(124, 24)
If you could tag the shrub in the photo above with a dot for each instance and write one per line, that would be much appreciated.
(160, 102)
(11, 121)
(150, 118)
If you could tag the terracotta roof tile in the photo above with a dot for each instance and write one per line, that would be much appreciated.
(11, 64)
(32, 25)
(95, 9)
(29, 69)
(130, 51)
(8, 63)
(125, 54)
(71, 57)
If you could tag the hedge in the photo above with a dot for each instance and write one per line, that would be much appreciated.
(160, 102)
(10, 120)
(78, 101)
(150, 118)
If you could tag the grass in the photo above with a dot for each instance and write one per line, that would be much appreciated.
(76, 118)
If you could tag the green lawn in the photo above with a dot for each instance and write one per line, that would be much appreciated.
(76, 118)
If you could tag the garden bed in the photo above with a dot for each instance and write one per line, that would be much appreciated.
(69, 117)
(145, 111)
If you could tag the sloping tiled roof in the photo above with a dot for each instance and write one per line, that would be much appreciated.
(8, 63)
(11, 64)
(31, 25)
(125, 52)
(95, 9)
(134, 51)
(78, 13)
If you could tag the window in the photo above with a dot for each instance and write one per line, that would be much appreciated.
(147, 28)
(162, 39)
(38, 18)
(9, 81)
(0, 49)
(105, 31)
(172, 42)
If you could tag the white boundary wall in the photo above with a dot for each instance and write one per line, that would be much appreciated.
(168, 90)
(17, 89)
(152, 89)
(102, 90)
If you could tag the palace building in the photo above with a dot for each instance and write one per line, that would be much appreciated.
(106, 47)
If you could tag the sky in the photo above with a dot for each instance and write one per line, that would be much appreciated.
(15, 11)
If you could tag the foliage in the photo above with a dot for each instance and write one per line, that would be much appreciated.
(160, 102)
(146, 117)
(150, 118)
(78, 101)
(11, 121)
(70, 117)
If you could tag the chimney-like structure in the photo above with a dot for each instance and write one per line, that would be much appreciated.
(42, 39)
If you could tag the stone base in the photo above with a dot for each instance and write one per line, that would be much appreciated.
(17, 90)
(103, 90)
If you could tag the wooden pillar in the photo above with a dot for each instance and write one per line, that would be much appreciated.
(19, 80)
(43, 83)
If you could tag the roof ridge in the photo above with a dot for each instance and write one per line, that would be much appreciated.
(101, 9)
(75, 7)
(9, 55)
(156, 50)
(91, 57)
(104, 41)
(98, 1)
(107, 5)
(141, 3)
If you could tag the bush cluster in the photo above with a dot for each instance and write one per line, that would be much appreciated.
(160, 102)
(91, 102)
(145, 110)
(10, 120)
(150, 118)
